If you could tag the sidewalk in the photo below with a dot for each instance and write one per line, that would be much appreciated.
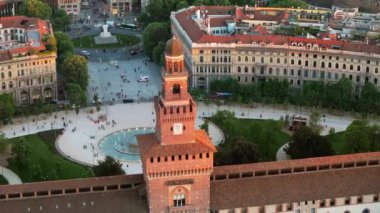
(10, 176)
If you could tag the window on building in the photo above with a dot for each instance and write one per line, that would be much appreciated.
(176, 89)
(179, 200)
(239, 69)
(239, 58)
(246, 69)
(306, 63)
(2, 75)
(253, 69)
(200, 58)
(336, 66)
(10, 84)
(262, 59)
(10, 74)
(246, 58)
(262, 70)
(360, 200)
(358, 68)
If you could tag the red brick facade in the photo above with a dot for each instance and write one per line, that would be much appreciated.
(177, 160)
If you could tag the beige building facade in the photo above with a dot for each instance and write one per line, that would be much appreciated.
(72, 7)
(251, 58)
(30, 78)
(27, 68)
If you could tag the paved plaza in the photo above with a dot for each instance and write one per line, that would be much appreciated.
(116, 78)
(82, 133)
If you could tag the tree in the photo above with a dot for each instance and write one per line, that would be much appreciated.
(108, 167)
(75, 94)
(205, 125)
(74, 70)
(51, 43)
(153, 34)
(288, 3)
(314, 118)
(7, 106)
(306, 144)
(158, 53)
(36, 8)
(3, 143)
(369, 100)
(240, 151)
(357, 138)
(60, 20)
(20, 154)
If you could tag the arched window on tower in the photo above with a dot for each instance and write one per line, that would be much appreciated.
(176, 67)
(179, 199)
(176, 89)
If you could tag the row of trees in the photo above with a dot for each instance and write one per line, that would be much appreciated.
(337, 95)
(73, 69)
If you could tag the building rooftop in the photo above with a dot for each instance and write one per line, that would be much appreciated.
(199, 35)
(295, 180)
(35, 29)
(150, 145)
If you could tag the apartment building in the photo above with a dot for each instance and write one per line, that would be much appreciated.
(72, 7)
(249, 57)
(27, 69)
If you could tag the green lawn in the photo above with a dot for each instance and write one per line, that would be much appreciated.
(88, 42)
(46, 163)
(3, 181)
(267, 134)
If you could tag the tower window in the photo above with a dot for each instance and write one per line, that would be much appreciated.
(151, 160)
(187, 157)
(172, 157)
(179, 157)
(176, 89)
(179, 200)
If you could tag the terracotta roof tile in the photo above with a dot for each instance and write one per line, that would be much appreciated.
(297, 186)
(257, 191)
(149, 145)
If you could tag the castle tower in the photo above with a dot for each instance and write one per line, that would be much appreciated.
(177, 159)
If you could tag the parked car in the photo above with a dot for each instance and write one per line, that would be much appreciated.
(85, 53)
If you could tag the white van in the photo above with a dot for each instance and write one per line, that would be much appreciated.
(143, 78)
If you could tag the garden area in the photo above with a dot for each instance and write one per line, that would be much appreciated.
(88, 42)
(36, 159)
(248, 140)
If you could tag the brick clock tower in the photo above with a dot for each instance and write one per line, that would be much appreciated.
(177, 159)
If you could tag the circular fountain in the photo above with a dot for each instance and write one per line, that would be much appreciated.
(122, 145)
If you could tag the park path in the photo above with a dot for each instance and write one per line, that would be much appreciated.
(10, 176)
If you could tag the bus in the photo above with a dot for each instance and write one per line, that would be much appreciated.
(129, 26)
